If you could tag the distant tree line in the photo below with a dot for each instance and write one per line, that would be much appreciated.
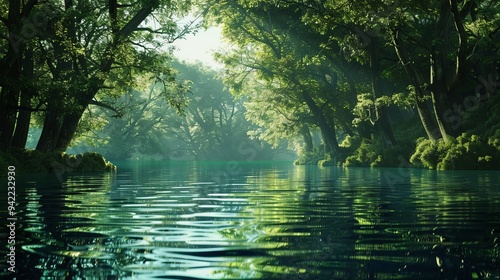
(212, 125)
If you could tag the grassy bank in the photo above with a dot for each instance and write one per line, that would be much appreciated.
(32, 161)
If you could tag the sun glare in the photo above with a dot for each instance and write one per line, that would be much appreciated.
(200, 47)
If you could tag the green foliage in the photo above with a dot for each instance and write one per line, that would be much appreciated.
(293, 66)
(479, 147)
(350, 144)
(494, 140)
(280, 69)
(329, 160)
(467, 151)
(364, 155)
(76, 53)
(424, 155)
(284, 48)
(403, 100)
(92, 162)
(33, 161)
(211, 125)
(373, 153)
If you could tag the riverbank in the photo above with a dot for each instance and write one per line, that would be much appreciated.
(33, 161)
(477, 148)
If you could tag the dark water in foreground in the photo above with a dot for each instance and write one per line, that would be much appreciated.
(184, 220)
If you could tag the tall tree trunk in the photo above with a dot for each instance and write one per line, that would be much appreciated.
(441, 103)
(23, 123)
(426, 116)
(308, 142)
(8, 105)
(71, 119)
(23, 119)
(50, 132)
(56, 111)
(442, 72)
(11, 74)
(68, 129)
(382, 123)
(327, 128)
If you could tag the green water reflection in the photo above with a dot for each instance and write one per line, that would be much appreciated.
(241, 220)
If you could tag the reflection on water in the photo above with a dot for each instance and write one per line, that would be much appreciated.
(184, 220)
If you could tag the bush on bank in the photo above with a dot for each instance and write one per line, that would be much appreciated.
(467, 151)
(33, 161)
(373, 153)
(477, 148)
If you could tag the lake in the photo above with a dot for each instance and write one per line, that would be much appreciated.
(257, 220)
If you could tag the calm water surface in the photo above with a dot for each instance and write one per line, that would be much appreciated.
(236, 220)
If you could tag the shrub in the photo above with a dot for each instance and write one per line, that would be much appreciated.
(494, 141)
(374, 153)
(330, 160)
(467, 151)
(364, 155)
(34, 162)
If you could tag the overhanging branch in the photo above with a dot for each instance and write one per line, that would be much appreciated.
(119, 114)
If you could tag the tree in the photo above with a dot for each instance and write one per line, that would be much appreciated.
(211, 126)
(83, 49)
(14, 16)
(275, 43)
(140, 129)
(437, 44)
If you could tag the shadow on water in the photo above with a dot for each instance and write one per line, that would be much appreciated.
(240, 220)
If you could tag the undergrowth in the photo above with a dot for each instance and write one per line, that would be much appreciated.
(33, 161)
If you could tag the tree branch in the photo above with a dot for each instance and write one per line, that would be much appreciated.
(28, 7)
(462, 40)
(133, 23)
(150, 30)
(119, 114)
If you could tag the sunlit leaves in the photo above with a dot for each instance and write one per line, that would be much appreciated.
(94, 49)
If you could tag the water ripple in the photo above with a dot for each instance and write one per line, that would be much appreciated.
(177, 222)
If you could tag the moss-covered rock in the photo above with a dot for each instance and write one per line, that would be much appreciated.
(92, 162)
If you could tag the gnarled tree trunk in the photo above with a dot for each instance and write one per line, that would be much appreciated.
(327, 127)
